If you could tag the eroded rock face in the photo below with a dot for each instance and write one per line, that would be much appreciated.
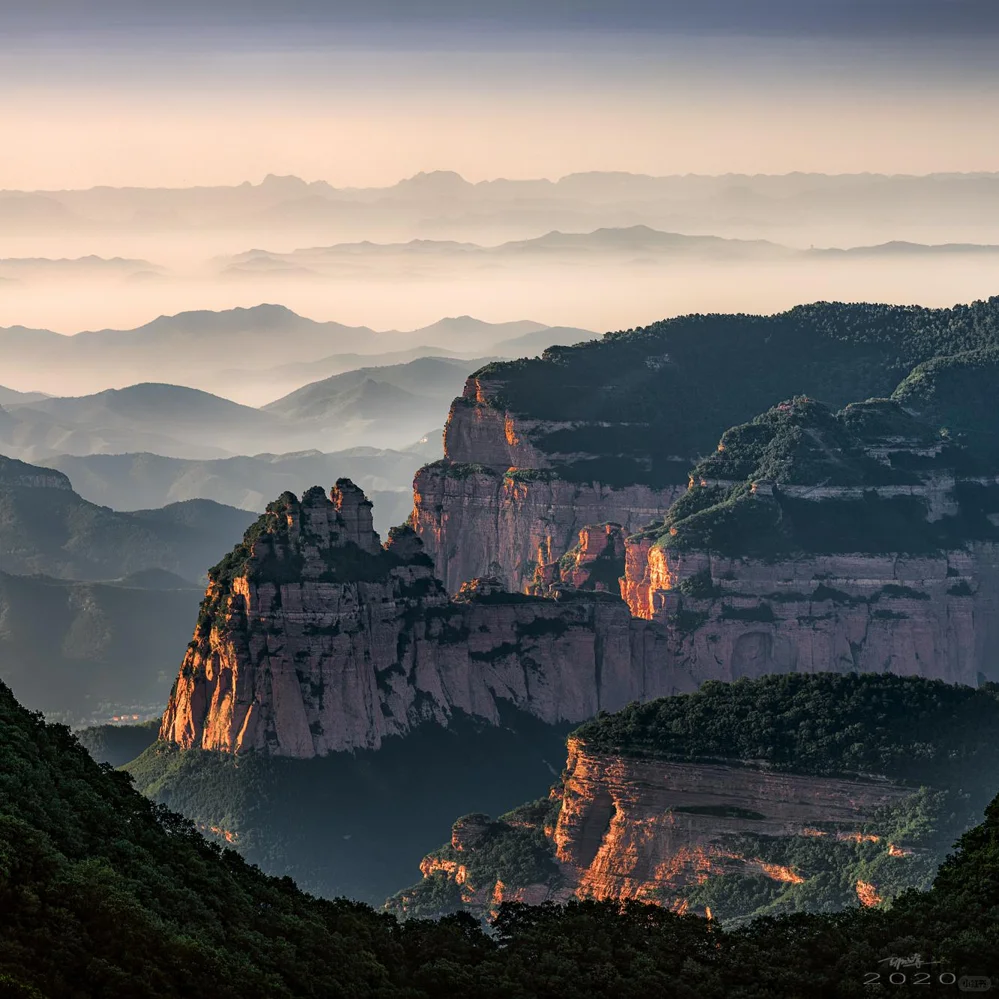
(596, 562)
(314, 638)
(645, 829)
(623, 827)
(498, 504)
(476, 520)
(931, 616)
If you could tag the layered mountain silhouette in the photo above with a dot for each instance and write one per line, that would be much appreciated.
(168, 419)
(389, 392)
(138, 481)
(48, 528)
(213, 350)
(426, 253)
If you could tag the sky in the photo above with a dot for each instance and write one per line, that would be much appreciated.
(220, 91)
(812, 17)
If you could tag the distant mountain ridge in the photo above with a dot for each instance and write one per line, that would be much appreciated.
(621, 244)
(170, 419)
(48, 528)
(192, 348)
(444, 202)
(138, 481)
(432, 380)
(448, 180)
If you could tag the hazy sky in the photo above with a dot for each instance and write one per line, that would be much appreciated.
(853, 17)
(220, 91)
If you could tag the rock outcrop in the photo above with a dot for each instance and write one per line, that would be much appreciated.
(497, 504)
(930, 615)
(743, 798)
(623, 827)
(314, 638)
(646, 829)
(596, 562)
(863, 550)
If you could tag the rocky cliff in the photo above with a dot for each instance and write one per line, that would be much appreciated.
(659, 831)
(647, 829)
(740, 800)
(810, 541)
(538, 448)
(813, 541)
(505, 499)
(314, 638)
(933, 616)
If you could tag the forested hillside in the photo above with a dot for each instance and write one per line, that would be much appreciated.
(105, 894)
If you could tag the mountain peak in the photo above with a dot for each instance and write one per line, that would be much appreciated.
(288, 182)
(255, 317)
(439, 180)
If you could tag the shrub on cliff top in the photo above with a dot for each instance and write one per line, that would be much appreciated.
(803, 442)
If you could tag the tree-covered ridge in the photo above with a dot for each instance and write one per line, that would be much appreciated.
(802, 478)
(904, 728)
(670, 389)
(46, 527)
(803, 442)
(957, 392)
(104, 894)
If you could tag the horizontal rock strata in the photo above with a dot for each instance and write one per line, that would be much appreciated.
(313, 638)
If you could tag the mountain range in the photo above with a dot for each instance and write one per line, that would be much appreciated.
(80, 268)
(140, 481)
(377, 406)
(603, 198)
(212, 350)
(616, 563)
(606, 245)
(48, 528)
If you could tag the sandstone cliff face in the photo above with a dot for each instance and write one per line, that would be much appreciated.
(930, 616)
(622, 827)
(314, 638)
(799, 566)
(477, 520)
(645, 829)
(595, 563)
(497, 504)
